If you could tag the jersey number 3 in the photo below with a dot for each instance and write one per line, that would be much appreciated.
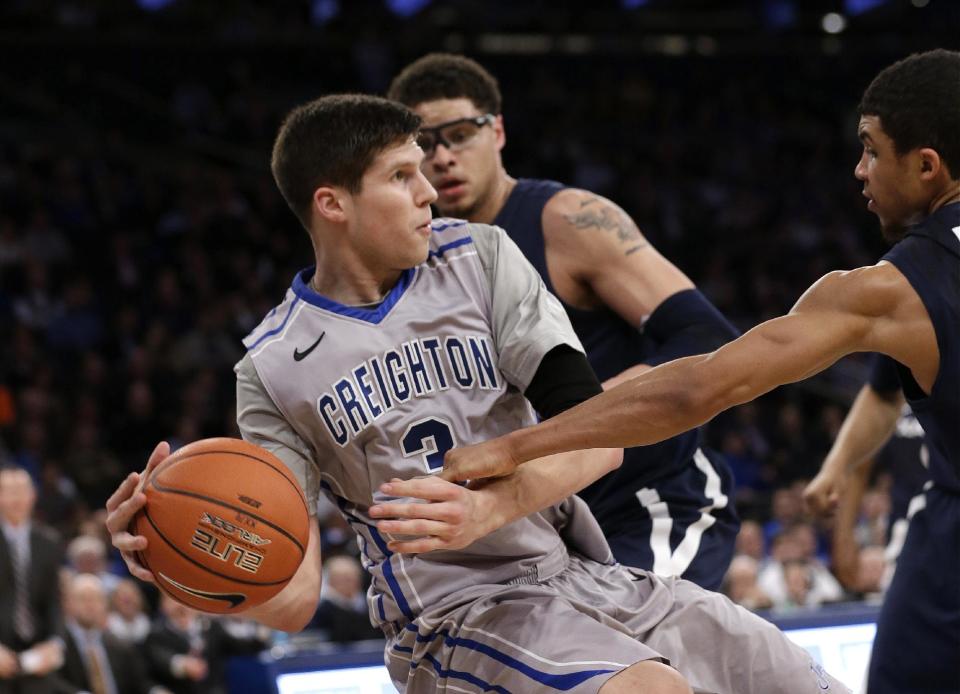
(429, 438)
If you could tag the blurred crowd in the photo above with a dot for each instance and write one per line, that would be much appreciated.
(141, 237)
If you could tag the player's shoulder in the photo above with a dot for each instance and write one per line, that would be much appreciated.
(450, 234)
(573, 210)
(871, 290)
(275, 324)
(447, 229)
(570, 201)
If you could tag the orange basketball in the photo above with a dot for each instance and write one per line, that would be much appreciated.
(226, 525)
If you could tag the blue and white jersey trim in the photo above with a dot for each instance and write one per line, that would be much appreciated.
(444, 223)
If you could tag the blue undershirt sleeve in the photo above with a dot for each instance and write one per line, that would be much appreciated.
(685, 324)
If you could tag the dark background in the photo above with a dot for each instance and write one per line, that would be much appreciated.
(141, 235)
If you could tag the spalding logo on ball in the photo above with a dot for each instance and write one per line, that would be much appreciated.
(226, 525)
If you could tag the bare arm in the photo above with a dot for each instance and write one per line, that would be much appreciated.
(597, 257)
(594, 245)
(292, 608)
(868, 426)
(845, 552)
(869, 309)
(843, 478)
(456, 516)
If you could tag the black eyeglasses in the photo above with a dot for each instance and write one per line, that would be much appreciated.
(455, 135)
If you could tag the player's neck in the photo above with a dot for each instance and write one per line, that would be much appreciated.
(490, 207)
(950, 194)
(352, 283)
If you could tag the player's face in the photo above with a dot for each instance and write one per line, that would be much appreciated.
(390, 216)
(888, 179)
(464, 178)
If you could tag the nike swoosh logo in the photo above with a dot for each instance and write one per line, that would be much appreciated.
(233, 599)
(298, 355)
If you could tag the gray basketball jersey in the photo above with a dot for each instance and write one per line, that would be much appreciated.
(351, 397)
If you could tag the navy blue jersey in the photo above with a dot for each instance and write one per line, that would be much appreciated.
(918, 633)
(905, 454)
(656, 507)
(929, 257)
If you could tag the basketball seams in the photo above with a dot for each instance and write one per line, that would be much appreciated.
(206, 568)
(282, 470)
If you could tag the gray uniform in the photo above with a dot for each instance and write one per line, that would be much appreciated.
(352, 397)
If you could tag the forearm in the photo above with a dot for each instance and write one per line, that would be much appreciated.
(292, 608)
(685, 393)
(664, 402)
(544, 482)
(845, 554)
(868, 426)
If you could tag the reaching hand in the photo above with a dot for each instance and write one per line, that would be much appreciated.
(123, 505)
(488, 459)
(822, 494)
(452, 517)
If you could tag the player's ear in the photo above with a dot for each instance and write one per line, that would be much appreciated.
(328, 204)
(931, 165)
(499, 132)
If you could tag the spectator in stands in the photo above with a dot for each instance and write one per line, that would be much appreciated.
(787, 509)
(793, 545)
(741, 584)
(30, 616)
(187, 652)
(128, 620)
(88, 555)
(342, 614)
(95, 660)
(798, 581)
(750, 541)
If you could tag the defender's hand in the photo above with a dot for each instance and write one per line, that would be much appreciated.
(452, 517)
(488, 459)
(123, 505)
(822, 494)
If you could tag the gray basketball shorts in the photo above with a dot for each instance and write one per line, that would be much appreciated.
(576, 630)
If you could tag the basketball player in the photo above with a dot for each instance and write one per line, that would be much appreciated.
(907, 306)
(409, 337)
(669, 508)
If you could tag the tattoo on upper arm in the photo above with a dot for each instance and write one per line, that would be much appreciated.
(608, 218)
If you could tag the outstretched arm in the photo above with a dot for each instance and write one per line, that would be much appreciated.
(869, 309)
(456, 516)
(868, 426)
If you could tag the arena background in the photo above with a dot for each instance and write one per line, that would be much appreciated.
(141, 235)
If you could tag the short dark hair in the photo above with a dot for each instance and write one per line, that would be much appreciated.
(446, 76)
(332, 141)
(916, 101)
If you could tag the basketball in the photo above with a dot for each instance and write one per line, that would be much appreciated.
(226, 525)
